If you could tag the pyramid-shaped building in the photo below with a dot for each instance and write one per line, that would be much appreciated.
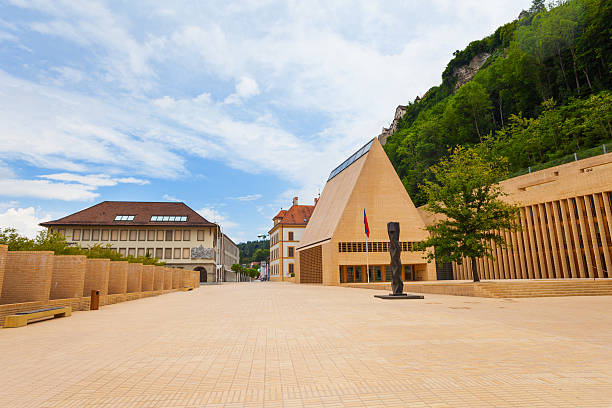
(332, 250)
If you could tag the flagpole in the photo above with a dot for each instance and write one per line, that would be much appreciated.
(367, 260)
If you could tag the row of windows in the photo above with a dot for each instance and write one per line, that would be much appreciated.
(132, 235)
(274, 239)
(170, 218)
(275, 253)
(275, 269)
(378, 273)
(372, 246)
(160, 253)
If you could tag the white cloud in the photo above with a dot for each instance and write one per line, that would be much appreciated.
(212, 215)
(248, 197)
(47, 190)
(97, 180)
(172, 198)
(24, 220)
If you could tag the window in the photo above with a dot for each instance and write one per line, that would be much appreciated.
(187, 235)
(95, 235)
(186, 253)
(122, 251)
(159, 253)
(114, 235)
(290, 268)
(150, 252)
(388, 273)
(133, 235)
(341, 277)
(169, 218)
(178, 234)
(169, 235)
(142, 235)
(62, 232)
(141, 252)
(290, 235)
(76, 235)
(132, 252)
(200, 235)
(290, 250)
(168, 253)
(377, 274)
(124, 218)
(123, 235)
(151, 235)
(349, 274)
(408, 272)
(160, 235)
(177, 253)
(86, 235)
(358, 274)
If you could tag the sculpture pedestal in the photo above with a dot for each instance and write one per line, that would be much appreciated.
(400, 296)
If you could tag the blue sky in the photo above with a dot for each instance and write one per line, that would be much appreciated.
(231, 107)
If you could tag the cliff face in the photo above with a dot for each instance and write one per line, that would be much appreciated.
(466, 73)
(463, 74)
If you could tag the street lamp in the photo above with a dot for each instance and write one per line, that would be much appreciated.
(264, 236)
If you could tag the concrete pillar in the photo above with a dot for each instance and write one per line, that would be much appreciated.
(3, 251)
(557, 223)
(527, 242)
(27, 277)
(535, 263)
(148, 272)
(550, 272)
(514, 251)
(176, 278)
(557, 271)
(520, 249)
(158, 283)
(68, 276)
(117, 278)
(537, 232)
(585, 237)
(567, 229)
(167, 278)
(599, 268)
(96, 276)
(506, 257)
(573, 210)
(134, 278)
(601, 226)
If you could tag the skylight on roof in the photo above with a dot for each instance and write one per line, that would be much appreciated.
(351, 160)
(124, 218)
(168, 218)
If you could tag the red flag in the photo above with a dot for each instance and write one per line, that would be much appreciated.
(365, 223)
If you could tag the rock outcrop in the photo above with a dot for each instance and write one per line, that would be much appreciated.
(465, 73)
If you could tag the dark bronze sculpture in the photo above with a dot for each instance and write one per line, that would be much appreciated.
(395, 250)
(393, 229)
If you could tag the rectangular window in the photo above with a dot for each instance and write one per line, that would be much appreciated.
(76, 235)
(169, 235)
(178, 234)
(159, 253)
(160, 235)
(132, 252)
(150, 252)
(186, 235)
(140, 252)
(388, 273)
(142, 235)
(133, 235)
(62, 232)
(186, 253)
(290, 235)
(358, 274)
(122, 251)
(377, 274)
(95, 235)
(114, 235)
(290, 250)
(86, 235)
(151, 235)
(168, 253)
(200, 235)
(350, 277)
(123, 235)
(124, 218)
(408, 272)
(290, 268)
(177, 253)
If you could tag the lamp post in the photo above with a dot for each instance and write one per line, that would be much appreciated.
(264, 236)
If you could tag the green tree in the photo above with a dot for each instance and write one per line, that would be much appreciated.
(14, 241)
(465, 195)
(469, 113)
(260, 255)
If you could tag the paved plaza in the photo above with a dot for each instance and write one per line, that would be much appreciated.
(285, 345)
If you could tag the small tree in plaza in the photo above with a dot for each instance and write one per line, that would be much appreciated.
(464, 193)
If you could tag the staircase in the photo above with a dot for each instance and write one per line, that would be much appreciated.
(546, 288)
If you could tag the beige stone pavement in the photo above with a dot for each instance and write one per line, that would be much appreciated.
(285, 345)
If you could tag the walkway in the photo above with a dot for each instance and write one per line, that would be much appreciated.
(285, 345)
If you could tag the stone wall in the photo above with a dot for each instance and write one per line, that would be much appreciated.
(148, 272)
(96, 276)
(134, 280)
(68, 276)
(117, 278)
(3, 251)
(158, 283)
(27, 276)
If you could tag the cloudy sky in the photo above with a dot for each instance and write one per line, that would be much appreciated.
(231, 107)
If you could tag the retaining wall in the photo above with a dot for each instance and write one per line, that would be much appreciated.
(96, 277)
(148, 272)
(176, 278)
(134, 278)
(3, 251)
(159, 279)
(167, 278)
(117, 278)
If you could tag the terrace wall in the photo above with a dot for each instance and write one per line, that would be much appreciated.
(134, 279)
(68, 276)
(27, 276)
(96, 277)
(117, 278)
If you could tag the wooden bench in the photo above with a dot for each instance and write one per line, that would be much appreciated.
(22, 318)
(186, 288)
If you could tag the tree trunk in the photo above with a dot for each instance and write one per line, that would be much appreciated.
(475, 270)
(575, 70)
(587, 78)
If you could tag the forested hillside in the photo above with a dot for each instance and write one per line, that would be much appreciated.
(543, 93)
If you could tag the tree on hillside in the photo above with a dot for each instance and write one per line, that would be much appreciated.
(464, 193)
(469, 113)
(261, 255)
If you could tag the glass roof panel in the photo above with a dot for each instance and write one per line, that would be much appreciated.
(350, 160)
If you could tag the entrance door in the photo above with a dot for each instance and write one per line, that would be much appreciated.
(203, 275)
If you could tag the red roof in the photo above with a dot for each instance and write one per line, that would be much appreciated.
(297, 215)
(105, 213)
(280, 214)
